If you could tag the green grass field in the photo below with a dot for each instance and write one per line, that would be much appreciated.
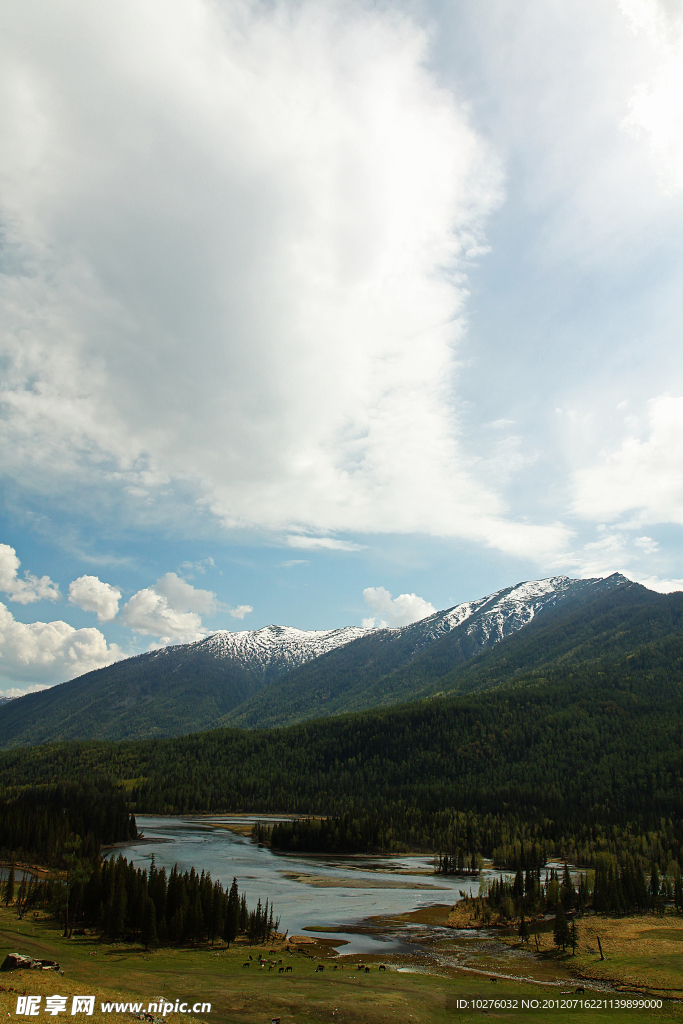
(120, 972)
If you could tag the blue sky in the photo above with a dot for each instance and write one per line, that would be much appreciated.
(320, 313)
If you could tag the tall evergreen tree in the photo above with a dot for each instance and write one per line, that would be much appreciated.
(8, 895)
(232, 917)
(561, 933)
(149, 923)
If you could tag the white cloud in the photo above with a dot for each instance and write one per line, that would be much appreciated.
(90, 594)
(16, 691)
(662, 586)
(240, 611)
(50, 652)
(643, 476)
(240, 237)
(399, 611)
(183, 597)
(28, 590)
(149, 613)
(656, 107)
(170, 610)
(323, 544)
(647, 545)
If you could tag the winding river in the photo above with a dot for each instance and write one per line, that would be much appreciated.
(314, 894)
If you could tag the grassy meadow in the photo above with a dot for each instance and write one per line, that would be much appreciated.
(639, 951)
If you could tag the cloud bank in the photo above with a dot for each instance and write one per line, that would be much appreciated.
(239, 240)
(642, 478)
(47, 652)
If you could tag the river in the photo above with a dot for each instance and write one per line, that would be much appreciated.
(309, 894)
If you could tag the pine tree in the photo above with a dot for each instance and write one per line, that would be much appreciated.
(117, 916)
(518, 886)
(9, 887)
(561, 934)
(232, 917)
(568, 892)
(149, 923)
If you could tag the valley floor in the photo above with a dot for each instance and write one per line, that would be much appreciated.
(435, 985)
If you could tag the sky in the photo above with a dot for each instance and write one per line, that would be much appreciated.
(330, 313)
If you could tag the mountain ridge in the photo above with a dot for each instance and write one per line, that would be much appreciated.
(254, 678)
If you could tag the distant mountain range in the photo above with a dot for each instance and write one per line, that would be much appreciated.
(280, 675)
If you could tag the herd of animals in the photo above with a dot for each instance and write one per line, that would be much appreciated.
(272, 964)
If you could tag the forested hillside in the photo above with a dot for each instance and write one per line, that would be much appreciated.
(572, 757)
(280, 675)
(162, 693)
(614, 617)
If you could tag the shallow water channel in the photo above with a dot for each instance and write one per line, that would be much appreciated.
(318, 895)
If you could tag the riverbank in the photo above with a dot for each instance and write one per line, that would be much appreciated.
(407, 992)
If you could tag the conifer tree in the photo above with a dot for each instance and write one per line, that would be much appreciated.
(149, 923)
(561, 933)
(232, 918)
(9, 887)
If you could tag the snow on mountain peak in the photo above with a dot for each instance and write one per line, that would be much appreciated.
(279, 648)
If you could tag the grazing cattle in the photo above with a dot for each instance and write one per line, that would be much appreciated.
(280, 960)
(271, 950)
(250, 957)
(580, 990)
(493, 979)
(288, 968)
(319, 968)
(367, 970)
(280, 970)
(361, 967)
(382, 967)
(247, 964)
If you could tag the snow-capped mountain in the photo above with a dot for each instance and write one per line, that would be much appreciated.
(279, 674)
(274, 651)
(278, 649)
(492, 618)
(390, 665)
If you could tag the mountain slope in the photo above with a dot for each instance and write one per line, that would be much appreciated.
(590, 747)
(280, 675)
(390, 666)
(582, 637)
(168, 692)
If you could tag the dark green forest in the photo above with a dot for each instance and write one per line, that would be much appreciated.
(52, 823)
(573, 760)
(122, 902)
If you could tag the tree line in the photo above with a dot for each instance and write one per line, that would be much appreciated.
(47, 823)
(122, 902)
